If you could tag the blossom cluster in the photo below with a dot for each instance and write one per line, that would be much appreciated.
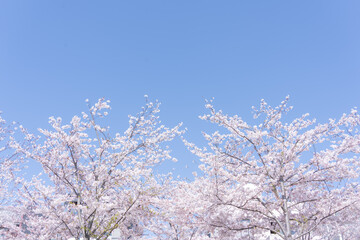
(291, 180)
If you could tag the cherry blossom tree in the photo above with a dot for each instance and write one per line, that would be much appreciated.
(288, 179)
(347, 228)
(10, 165)
(173, 218)
(92, 183)
(6, 159)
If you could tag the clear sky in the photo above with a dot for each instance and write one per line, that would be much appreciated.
(55, 54)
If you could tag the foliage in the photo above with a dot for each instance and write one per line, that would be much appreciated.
(94, 183)
(289, 179)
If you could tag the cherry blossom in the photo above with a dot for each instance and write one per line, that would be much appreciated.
(92, 182)
(288, 179)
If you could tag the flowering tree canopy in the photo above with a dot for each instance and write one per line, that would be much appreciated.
(10, 164)
(293, 180)
(288, 179)
(93, 183)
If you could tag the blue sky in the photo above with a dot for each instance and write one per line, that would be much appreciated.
(55, 54)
